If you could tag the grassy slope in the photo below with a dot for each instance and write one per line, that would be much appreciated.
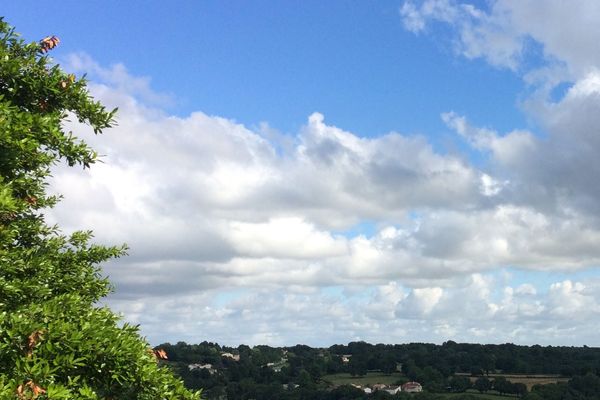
(378, 377)
(369, 379)
(476, 394)
(528, 379)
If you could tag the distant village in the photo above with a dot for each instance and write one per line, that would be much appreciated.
(408, 387)
(364, 371)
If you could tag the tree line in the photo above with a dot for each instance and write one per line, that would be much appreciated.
(300, 371)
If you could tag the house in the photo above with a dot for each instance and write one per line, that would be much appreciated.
(290, 386)
(386, 388)
(276, 366)
(346, 358)
(365, 389)
(207, 367)
(412, 387)
(234, 357)
(393, 389)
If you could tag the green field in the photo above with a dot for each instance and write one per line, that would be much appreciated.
(378, 377)
(474, 393)
(528, 379)
(369, 379)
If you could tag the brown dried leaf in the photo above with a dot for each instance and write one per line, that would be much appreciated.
(29, 390)
(33, 340)
(160, 353)
(31, 200)
(48, 43)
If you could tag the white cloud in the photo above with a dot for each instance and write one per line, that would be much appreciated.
(424, 299)
(509, 150)
(502, 33)
(472, 310)
(284, 237)
(526, 289)
(118, 77)
(571, 300)
(212, 208)
(490, 186)
(478, 33)
(415, 18)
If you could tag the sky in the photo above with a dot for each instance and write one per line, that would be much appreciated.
(324, 172)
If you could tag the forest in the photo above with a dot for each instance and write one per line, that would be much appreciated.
(451, 370)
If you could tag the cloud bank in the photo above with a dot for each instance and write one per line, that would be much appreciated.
(239, 235)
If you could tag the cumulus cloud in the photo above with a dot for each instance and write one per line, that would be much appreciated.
(490, 35)
(117, 76)
(503, 32)
(237, 236)
(284, 237)
(552, 170)
(472, 310)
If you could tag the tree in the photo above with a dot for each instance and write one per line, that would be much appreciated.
(551, 391)
(388, 364)
(358, 365)
(502, 385)
(55, 343)
(482, 384)
(305, 380)
(432, 379)
(520, 389)
(459, 383)
(588, 385)
(346, 392)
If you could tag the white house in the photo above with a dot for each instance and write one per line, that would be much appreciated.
(412, 387)
(208, 367)
(393, 389)
(235, 357)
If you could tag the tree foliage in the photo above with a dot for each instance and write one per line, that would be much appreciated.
(482, 384)
(55, 343)
(250, 377)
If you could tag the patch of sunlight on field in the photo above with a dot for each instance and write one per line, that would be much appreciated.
(369, 379)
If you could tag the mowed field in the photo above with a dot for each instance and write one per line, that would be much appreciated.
(528, 380)
(475, 394)
(369, 379)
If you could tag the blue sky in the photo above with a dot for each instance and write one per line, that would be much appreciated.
(279, 62)
(318, 172)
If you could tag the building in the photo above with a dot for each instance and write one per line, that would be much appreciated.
(290, 386)
(393, 389)
(235, 357)
(386, 388)
(412, 387)
(207, 367)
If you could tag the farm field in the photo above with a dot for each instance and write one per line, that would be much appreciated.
(528, 379)
(475, 394)
(369, 379)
